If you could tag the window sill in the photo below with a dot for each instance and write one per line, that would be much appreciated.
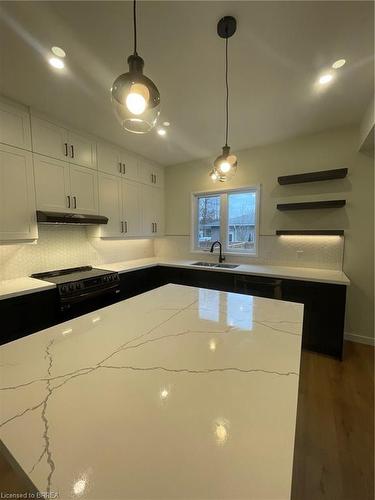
(232, 254)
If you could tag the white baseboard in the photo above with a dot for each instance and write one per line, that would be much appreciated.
(361, 339)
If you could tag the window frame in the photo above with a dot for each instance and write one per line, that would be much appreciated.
(223, 193)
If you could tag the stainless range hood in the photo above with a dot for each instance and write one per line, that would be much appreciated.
(68, 218)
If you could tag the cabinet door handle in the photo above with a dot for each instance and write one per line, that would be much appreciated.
(75, 201)
(152, 225)
(66, 148)
(124, 168)
(68, 201)
(120, 167)
(72, 150)
(156, 227)
(122, 226)
(126, 226)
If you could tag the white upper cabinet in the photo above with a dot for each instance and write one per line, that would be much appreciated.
(17, 195)
(60, 143)
(158, 202)
(152, 200)
(14, 125)
(84, 189)
(151, 173)
(130, 165)
(132, 209)
(110, 205)
(109, 160)
(116, 161)
(52, 184)
(82, 150)
(49, 139)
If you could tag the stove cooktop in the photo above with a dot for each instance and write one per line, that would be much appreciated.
(62, 276)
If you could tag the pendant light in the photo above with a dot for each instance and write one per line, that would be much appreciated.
(135, 98)
(225, 165)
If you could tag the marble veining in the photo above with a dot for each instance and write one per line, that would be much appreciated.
(180, 392)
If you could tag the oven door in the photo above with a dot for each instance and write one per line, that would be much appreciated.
(85, 302)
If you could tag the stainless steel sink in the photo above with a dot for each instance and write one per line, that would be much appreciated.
(213, 264)
(205, 264)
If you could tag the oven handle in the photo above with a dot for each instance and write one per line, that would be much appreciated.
(94, 293)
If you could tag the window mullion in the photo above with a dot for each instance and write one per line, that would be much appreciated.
(223, 219)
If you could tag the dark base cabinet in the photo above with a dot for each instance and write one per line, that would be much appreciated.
(323, 324)
(324, 311)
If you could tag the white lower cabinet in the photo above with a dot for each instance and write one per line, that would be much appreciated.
(84, 189)
(131, 203)
(17, 195)
(62, 187)
(52, 184)
(110, 205)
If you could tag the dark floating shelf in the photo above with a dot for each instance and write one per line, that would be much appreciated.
(321, 232)
(324, 175)
(308, 205)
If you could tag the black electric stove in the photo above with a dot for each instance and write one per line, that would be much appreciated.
(79, 284)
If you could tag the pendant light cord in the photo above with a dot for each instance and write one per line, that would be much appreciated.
(227, 92)
(135, 27)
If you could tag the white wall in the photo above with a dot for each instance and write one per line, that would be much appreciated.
(60, 247)
(262, 165)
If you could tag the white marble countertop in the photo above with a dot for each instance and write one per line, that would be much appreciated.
(179, 392)
(20, 286)
(295, 273)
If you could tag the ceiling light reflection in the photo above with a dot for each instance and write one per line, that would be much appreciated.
(164, 393)
(56, 62)
(221, 431)
(324, 79)
(58, 51)
(338, 64)
(212, 345)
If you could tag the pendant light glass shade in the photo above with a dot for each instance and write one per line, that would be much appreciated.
(135, 98)
(225, 165)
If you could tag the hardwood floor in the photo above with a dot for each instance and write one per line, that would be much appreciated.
(334, 451)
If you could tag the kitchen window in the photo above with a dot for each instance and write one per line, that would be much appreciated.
(230, 216)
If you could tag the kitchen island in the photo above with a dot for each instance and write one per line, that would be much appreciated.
(179, 392)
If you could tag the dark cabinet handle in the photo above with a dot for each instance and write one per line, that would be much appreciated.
(156, 227)
(126, 226)
(72, 150)
(124, 168)
(75, 201)
(120, 167)
(68, 201)
(66, 148)
(122, 226)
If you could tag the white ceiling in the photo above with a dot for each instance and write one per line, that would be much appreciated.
(278, 52)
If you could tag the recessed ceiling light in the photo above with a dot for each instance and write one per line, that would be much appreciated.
(162, 132)
(324, 79)
(56, 62)
(166, 124)
(338, 64)
(58, 51)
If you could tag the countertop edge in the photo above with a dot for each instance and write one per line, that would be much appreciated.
(128, 267)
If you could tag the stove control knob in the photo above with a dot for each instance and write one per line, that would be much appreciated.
(71, 287)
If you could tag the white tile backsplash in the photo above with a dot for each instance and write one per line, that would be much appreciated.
(59, 247)
(324, 252)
